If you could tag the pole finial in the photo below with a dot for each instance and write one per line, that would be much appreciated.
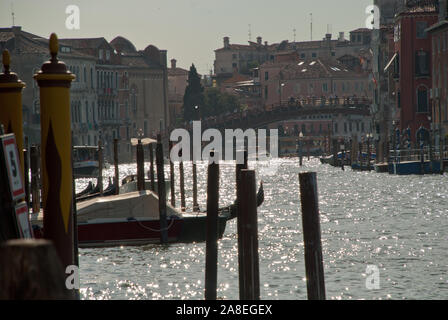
(6, 61)
(54, 46)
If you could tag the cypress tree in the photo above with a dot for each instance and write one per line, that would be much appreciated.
(194, 96)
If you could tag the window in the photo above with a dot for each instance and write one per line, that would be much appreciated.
(324, 87)
(107, 55)
(421, 63)
(234, 65)
(333, 53)
(420, 29)
(422, 99)
(234, 56)
(336, 128)
(314, 54)
(303, 55)
(100, 54)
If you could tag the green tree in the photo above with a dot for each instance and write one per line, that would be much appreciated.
(194, 96)
(216, 103)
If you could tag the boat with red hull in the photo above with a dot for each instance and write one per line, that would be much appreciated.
(133, 219)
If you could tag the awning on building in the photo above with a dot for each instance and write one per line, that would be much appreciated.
(390, 62)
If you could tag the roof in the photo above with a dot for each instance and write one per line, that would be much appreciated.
(28, 43)
(236, 77)
(122, 44)
(365, 30)
(314, 68)
(437, 26)
(177, 72)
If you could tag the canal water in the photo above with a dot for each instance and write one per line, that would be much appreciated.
(398, 224)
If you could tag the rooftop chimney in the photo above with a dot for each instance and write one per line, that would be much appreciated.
(341, 36)
(173, 63)
(259, 40)
(226, 42)
(266, 43)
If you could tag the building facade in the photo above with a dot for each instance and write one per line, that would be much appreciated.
(439, 37)
(413, 49)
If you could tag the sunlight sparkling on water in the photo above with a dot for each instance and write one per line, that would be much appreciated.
(397, 223)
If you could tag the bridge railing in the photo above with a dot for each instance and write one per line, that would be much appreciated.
(323, 101)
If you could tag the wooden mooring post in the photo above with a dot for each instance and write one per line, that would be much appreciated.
(172, 181)
(248, 233)
(54, 82)
(32, 270)
(211, 246)
(100, 166)
(35, 179)
(182, 183)
(26, 172)
(161, 190)
(312, 236)
(151, 167)
(116, 175)
(240, 166)
(140, 166)
(195, 187)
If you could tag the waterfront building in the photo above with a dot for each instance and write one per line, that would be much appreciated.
(439, 62)
(413, 50)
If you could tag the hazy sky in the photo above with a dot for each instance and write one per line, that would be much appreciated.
(189, 29)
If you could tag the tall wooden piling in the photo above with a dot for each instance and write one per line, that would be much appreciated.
(54, 82)
(182, 184)
(312, 236)
(32, 270)
(211, 246)
(240, 166)
(195, 187)
(248, 232)
(161, 190)
(151, 167)
(140, 166)
(100, 166)
(172, 181)
(116, 175)
(35, 178)
(26, 161)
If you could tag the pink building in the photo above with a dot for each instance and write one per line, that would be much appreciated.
(288, 77)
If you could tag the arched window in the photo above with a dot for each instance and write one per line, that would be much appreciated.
(422, 99)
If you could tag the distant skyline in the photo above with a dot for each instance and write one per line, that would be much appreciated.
(190, 30)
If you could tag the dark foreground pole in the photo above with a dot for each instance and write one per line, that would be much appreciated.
(151, 167)
(35, 179)
(32, 270)
(100, 166)
(161, 190)
(182, 185)
(195, 188)
(116, 166)
(240, 166)
(26, 170)
(311, 236)
(211, 247)
(140, 167)
(247, 216)
(173, 196)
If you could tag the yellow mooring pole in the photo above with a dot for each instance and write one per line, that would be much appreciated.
(54, 82)
(11, 104)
